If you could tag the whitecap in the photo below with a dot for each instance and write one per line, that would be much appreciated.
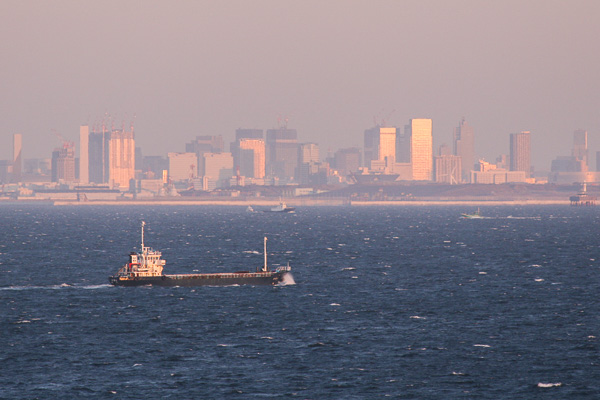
(106, 285)
(548, 385)
(417, 317)
(539, 280)
(482, 345)
(334, 304)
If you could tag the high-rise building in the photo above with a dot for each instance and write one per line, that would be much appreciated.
(205, 144)
(580, 147)
(245, 133)
(84, 155)
(17, 161)
(282, 152)
(153, 166)
(249, 153)
(97, 157)
(183, 166)
(218, 168)
(308, 161)
(347, 161)
(63, 164)
(308, 153)
(420, 132)
(250, 157)
(520, 152)
(464, 147)
(111, 157)
(380, 145)
(447, 169)
(121, 161)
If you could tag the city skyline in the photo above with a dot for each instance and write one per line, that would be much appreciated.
(505, 66)
(400, 153)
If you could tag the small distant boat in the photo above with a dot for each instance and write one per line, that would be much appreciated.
(281, 208)
(250, 209)
(475, 215)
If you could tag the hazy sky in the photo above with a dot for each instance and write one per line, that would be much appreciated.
(187, 68)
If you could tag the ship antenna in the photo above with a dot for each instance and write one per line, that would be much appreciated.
(265, 252)
(143, 223)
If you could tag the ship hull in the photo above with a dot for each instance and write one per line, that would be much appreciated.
(259, 278)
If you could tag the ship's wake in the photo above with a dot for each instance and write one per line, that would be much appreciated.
(56, 287)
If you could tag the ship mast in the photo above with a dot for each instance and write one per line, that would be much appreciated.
(143, 223)
(265, 253)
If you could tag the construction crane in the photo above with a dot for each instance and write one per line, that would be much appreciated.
(65, 143)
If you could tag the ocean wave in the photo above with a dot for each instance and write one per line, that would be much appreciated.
(548, 385)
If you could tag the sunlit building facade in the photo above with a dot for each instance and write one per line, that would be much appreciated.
(218, 168)
(251, 158)
(520, 152)
(121, 158)
(182, 166)
(380, 146)
(421, 148)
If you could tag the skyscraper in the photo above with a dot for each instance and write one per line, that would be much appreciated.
(63, 164)
(347, 161)
(17, 162)
(380, 145)
(447, 169)
(464, 147)
(97, 157)
(421, 148)
(282, 152)
(121, 162)
(251, 157)
(182, 166)
(218, 169)
(580, 147)
(244, 133)
(112, 157)
(205, 144)
(84, 156)
(249, 153)
(520, 152)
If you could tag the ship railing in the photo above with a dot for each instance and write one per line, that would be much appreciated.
(285, 268)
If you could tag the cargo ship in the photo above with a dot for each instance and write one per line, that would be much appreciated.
(146, 268)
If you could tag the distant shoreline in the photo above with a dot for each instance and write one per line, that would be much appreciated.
(290, 202)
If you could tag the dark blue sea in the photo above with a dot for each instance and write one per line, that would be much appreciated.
(388, 302)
